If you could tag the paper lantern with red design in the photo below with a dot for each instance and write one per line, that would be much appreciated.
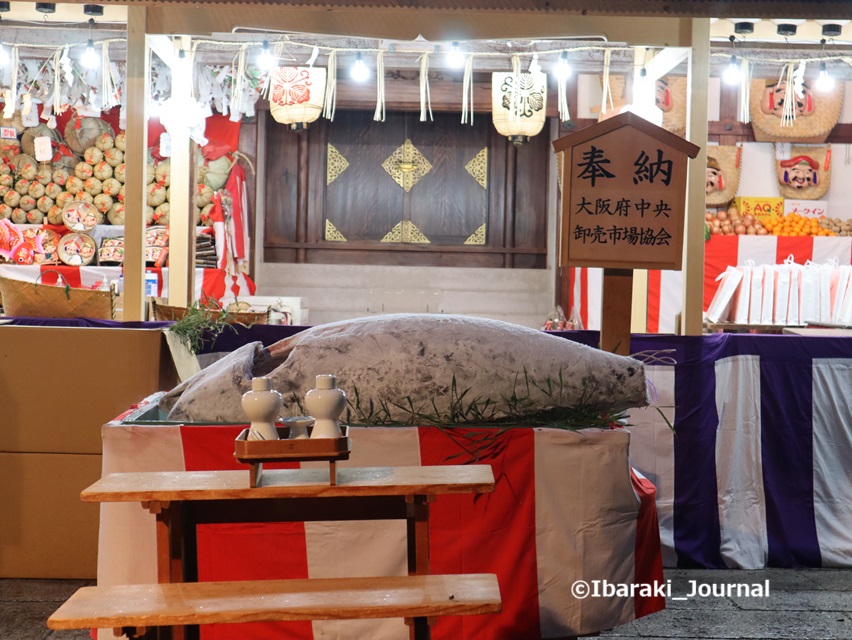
(518, 104)
(297, 95)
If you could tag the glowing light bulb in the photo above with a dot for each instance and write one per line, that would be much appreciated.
(359, 71)
(90, 58)
(824, 82)
(562, 70)
(455, 56)
(266, 59)
(732, 72)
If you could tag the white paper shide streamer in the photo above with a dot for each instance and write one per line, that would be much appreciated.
(237, 90)
(109, 85)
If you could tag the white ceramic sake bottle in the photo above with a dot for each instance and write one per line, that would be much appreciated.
(325, 403)
(262, 405)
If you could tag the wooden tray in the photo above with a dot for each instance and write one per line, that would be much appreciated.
(256, 452)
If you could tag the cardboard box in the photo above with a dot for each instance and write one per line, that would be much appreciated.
(760, 208)
(806, 208)
(46, 531)
(60, 384)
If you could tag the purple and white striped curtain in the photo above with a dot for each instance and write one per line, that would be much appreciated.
(758, 471)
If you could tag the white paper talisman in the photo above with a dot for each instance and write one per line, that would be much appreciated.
(43, 149)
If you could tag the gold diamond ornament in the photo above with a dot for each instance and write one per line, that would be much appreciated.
(478, 168)
(477, 237)
(335, 165)
(407, 166)
(405, 231)
(332, 234)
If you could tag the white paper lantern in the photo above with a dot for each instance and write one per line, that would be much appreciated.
(518, 104)
(296, 95)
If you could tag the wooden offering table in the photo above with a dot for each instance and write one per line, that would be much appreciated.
(183, 500)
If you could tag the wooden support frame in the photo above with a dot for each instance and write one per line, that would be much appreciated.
(696, 132)
(181, 212)
(136, 149)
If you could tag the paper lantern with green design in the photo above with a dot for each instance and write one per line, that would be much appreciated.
(518, 104)
(296, 95)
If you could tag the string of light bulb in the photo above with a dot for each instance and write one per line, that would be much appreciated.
(269, 54)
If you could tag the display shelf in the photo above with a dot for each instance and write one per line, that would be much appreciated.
(733, 327)
(212, 283)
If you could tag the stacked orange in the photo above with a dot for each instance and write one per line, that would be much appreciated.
(793, 225)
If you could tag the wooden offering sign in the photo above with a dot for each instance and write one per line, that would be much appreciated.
(624, 195)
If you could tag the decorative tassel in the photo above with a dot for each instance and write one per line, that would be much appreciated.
(606, 89)
(379, 115)
(425, 98)
(330, 87)
(745, 91)
(788, 113)
(467, 91)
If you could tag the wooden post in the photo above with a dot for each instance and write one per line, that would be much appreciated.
(182, 225)
(696, 100)
(639, 314)
(136, 157)
(615, 313)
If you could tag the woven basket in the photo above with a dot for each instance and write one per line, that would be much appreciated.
(32, 299)
(814, 128)
(165, 312)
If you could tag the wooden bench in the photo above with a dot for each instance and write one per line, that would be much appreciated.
(132, 609)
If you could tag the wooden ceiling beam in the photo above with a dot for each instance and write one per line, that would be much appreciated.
(806, 9)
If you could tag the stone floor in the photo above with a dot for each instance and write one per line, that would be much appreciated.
(811, 604)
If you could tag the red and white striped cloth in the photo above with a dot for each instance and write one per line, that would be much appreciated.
(665, 288)
(212, 283)
(565, 508)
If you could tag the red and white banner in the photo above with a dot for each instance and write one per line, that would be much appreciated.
(565, 508)
(212, 283)
(665, 288)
